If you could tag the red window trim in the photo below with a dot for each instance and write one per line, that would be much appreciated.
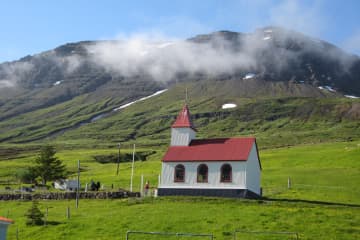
(207, 174)
(177, 180)
(221, 174)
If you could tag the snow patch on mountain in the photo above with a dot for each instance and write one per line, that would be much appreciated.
(328, 88)
(351, 96)
(139, 100)
(249, 76)
(266, 38)
(57, 83)
(228, 105)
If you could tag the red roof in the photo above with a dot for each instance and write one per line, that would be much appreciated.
(183, 120)
(3, 219)
(221, 149)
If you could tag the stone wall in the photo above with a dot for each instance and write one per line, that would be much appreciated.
(67, 195)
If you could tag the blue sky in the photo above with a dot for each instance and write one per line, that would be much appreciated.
(32, 26)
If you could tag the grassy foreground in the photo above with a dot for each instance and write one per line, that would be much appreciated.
(323, 202)
(110, 219)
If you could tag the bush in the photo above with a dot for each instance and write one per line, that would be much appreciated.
(125, 157)
(27, 175)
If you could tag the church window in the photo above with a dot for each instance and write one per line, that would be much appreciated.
(202, 173)
(179, 173)
(226, 173)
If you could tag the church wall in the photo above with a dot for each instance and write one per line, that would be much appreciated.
(238, 175)
(253, 171)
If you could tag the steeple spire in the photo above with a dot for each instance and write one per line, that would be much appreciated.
(183, 120)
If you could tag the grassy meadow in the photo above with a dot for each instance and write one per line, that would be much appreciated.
(322, 203)
(313, 141)
(110, 219)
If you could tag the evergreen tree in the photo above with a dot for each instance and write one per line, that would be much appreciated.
(49, 167)
(34, 215)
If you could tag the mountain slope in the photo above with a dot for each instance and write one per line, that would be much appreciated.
(284, 55)
(274, 121)
(57, 94)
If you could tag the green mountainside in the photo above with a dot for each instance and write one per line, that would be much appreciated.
(275, 121)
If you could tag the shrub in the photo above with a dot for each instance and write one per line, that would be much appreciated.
(125, 157)
(27, 175)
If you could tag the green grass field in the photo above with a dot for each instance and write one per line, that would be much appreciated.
(110, 219)
(323, 202)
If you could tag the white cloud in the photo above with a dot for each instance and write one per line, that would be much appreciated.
(69, 63)
(163, 58)
(14, 72)
(6, 83)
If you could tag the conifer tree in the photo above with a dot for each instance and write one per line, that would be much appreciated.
(49, 167)
(34, 215)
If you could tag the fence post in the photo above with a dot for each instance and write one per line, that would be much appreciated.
(289, 183)
(142, 186)
(78, 185)
(46, 215)
(68, 212)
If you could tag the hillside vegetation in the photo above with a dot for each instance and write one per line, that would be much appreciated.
(314, 141)
(323, 201)
(275, 121)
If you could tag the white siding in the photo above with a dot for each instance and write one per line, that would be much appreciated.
(238, 175)
(182, 136)
(253, 171)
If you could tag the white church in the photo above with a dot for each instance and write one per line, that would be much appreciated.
(224, 167)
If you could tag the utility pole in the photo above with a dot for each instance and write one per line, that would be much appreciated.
(78, 186)
(118, 161)
(132, 170)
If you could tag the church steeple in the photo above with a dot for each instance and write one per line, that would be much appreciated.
(183, 120)
(183, 130)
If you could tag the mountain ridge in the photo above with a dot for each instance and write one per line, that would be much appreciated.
(99, 76)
